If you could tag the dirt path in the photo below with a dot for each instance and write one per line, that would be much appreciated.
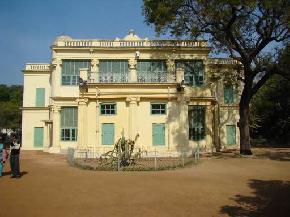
(218, 186)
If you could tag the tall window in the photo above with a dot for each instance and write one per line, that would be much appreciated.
(193, 71)
(196, 118)
(69, 123)
(228, 94)
(40, 97)
(151, 71)
(113, 71)
(71, 70)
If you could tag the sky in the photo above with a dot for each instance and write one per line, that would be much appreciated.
(29, 27)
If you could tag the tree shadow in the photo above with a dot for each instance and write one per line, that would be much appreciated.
(271, 198)
(279, 154)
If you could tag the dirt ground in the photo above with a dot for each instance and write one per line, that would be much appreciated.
(221, 185)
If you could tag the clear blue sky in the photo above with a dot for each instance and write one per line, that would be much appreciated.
(28, 28)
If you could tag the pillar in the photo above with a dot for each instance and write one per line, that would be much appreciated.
(94, 70)
(82, 122)
(132, 70)
(56, 130)
(170, 64)
(56, 76)
(209, 127)
(132, 115)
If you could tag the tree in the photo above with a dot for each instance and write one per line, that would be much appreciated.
(243, 29)
(274, 98)
(10, 103)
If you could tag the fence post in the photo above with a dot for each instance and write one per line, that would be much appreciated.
(155, 161)
(182, 156)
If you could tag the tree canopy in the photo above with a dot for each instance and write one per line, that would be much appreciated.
(243, 29)
(10, 103)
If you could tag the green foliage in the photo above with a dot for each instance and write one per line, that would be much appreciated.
(271, 111)
(10, 103)
(122, 155)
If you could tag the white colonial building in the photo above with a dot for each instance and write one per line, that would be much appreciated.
(169, 92)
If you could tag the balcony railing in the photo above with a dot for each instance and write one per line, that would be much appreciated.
(113, 77)
(152, 77)
(125, 43)
(222, 61)
(37, 67)
(124, 78)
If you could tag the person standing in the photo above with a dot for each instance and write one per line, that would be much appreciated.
(14, 158)
(2, 149)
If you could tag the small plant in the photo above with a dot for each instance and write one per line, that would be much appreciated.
(122, 155)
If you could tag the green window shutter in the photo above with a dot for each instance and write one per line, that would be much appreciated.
(151, 71)
(193, 71)
(70, 70)
(228, 94)
(158, 134)
(38, 137)
(111, 71)
(40, 97)
(108, 134)
(196, 119)
(69, 123)
(231, 134)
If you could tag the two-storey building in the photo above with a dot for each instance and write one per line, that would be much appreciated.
(161, 90)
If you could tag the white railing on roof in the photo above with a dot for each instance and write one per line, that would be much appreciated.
(139, 43)
(223, 61)
(37, 66)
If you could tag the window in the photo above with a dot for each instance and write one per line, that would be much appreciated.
(231, 134)
(158, 134)
(70, 72)
(108, 109)
(193, 71)
(38, 137)
(69, 123)
(111, 71)
(40, 97)
(151, 71)
(228, 94)
(196, 118)
(158, 108)
(108, 134)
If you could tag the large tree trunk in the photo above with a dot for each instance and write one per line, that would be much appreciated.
(245, 145)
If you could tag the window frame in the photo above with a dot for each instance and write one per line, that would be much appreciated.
(199, 80)
(229, 99)
(108, 104)
(200, 133)
(70, 129)
(160, 109)
(72, 78)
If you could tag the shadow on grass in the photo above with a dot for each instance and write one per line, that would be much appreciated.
(271, 198)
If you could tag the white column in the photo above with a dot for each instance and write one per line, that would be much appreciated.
(209, 127)
(94, 70)
(132, 70)
(179, 75)
(132, 115)
(56, 130)
(82, 122)
(170, 70)
(56, 76)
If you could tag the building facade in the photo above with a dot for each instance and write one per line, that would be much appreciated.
(168, 92)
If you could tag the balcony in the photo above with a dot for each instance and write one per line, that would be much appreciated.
(124, 78)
